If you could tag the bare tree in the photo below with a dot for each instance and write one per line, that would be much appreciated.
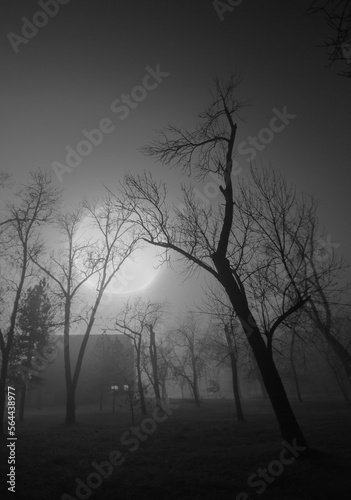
(322, 272)
(83, 258)
(337, 16)
(187, 360)
(295, 267)
(201, 234)
(164, 351)
(32, 207)
(131, 321)
(138, 320)
(226, 338)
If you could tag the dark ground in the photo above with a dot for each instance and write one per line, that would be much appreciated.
(196, 453)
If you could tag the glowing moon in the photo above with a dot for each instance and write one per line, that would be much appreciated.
(136, 273)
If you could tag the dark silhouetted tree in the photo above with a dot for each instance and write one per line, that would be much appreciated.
(200, 234)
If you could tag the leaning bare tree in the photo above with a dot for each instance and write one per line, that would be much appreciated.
(32, 207)
(200, 234)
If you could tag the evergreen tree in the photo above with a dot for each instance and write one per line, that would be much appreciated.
(34, 322)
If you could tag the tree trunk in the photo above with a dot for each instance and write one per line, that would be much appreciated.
(288, 424)
(293, 369)
(289, 427)
(195, 386)
(70, 389)
(70, 404)
(181, 383)
(339, 381)
(196, 395)
(235, 379)
(343, 355)
(141, 388)
(262, 386)
(153, 359)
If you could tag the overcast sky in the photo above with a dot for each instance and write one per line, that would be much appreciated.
(69, 76)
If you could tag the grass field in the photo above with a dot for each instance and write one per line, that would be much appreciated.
(196, 453)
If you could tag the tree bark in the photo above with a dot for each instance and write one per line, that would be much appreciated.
(153, 359)
(235, 379)
(140, 386)
(289, 427)
(293, 368)
(195, 386)
(70, 404)
(339, 381)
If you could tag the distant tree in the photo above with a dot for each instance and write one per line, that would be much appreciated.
(187, 359)
(138, 320)
(133, 400)
(291, 356)
(338, 363)
(32, 338)
(32, 207)
(164, 350)
(226, 339)
(322, 272)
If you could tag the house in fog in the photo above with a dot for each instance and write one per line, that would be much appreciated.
(101, 369)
